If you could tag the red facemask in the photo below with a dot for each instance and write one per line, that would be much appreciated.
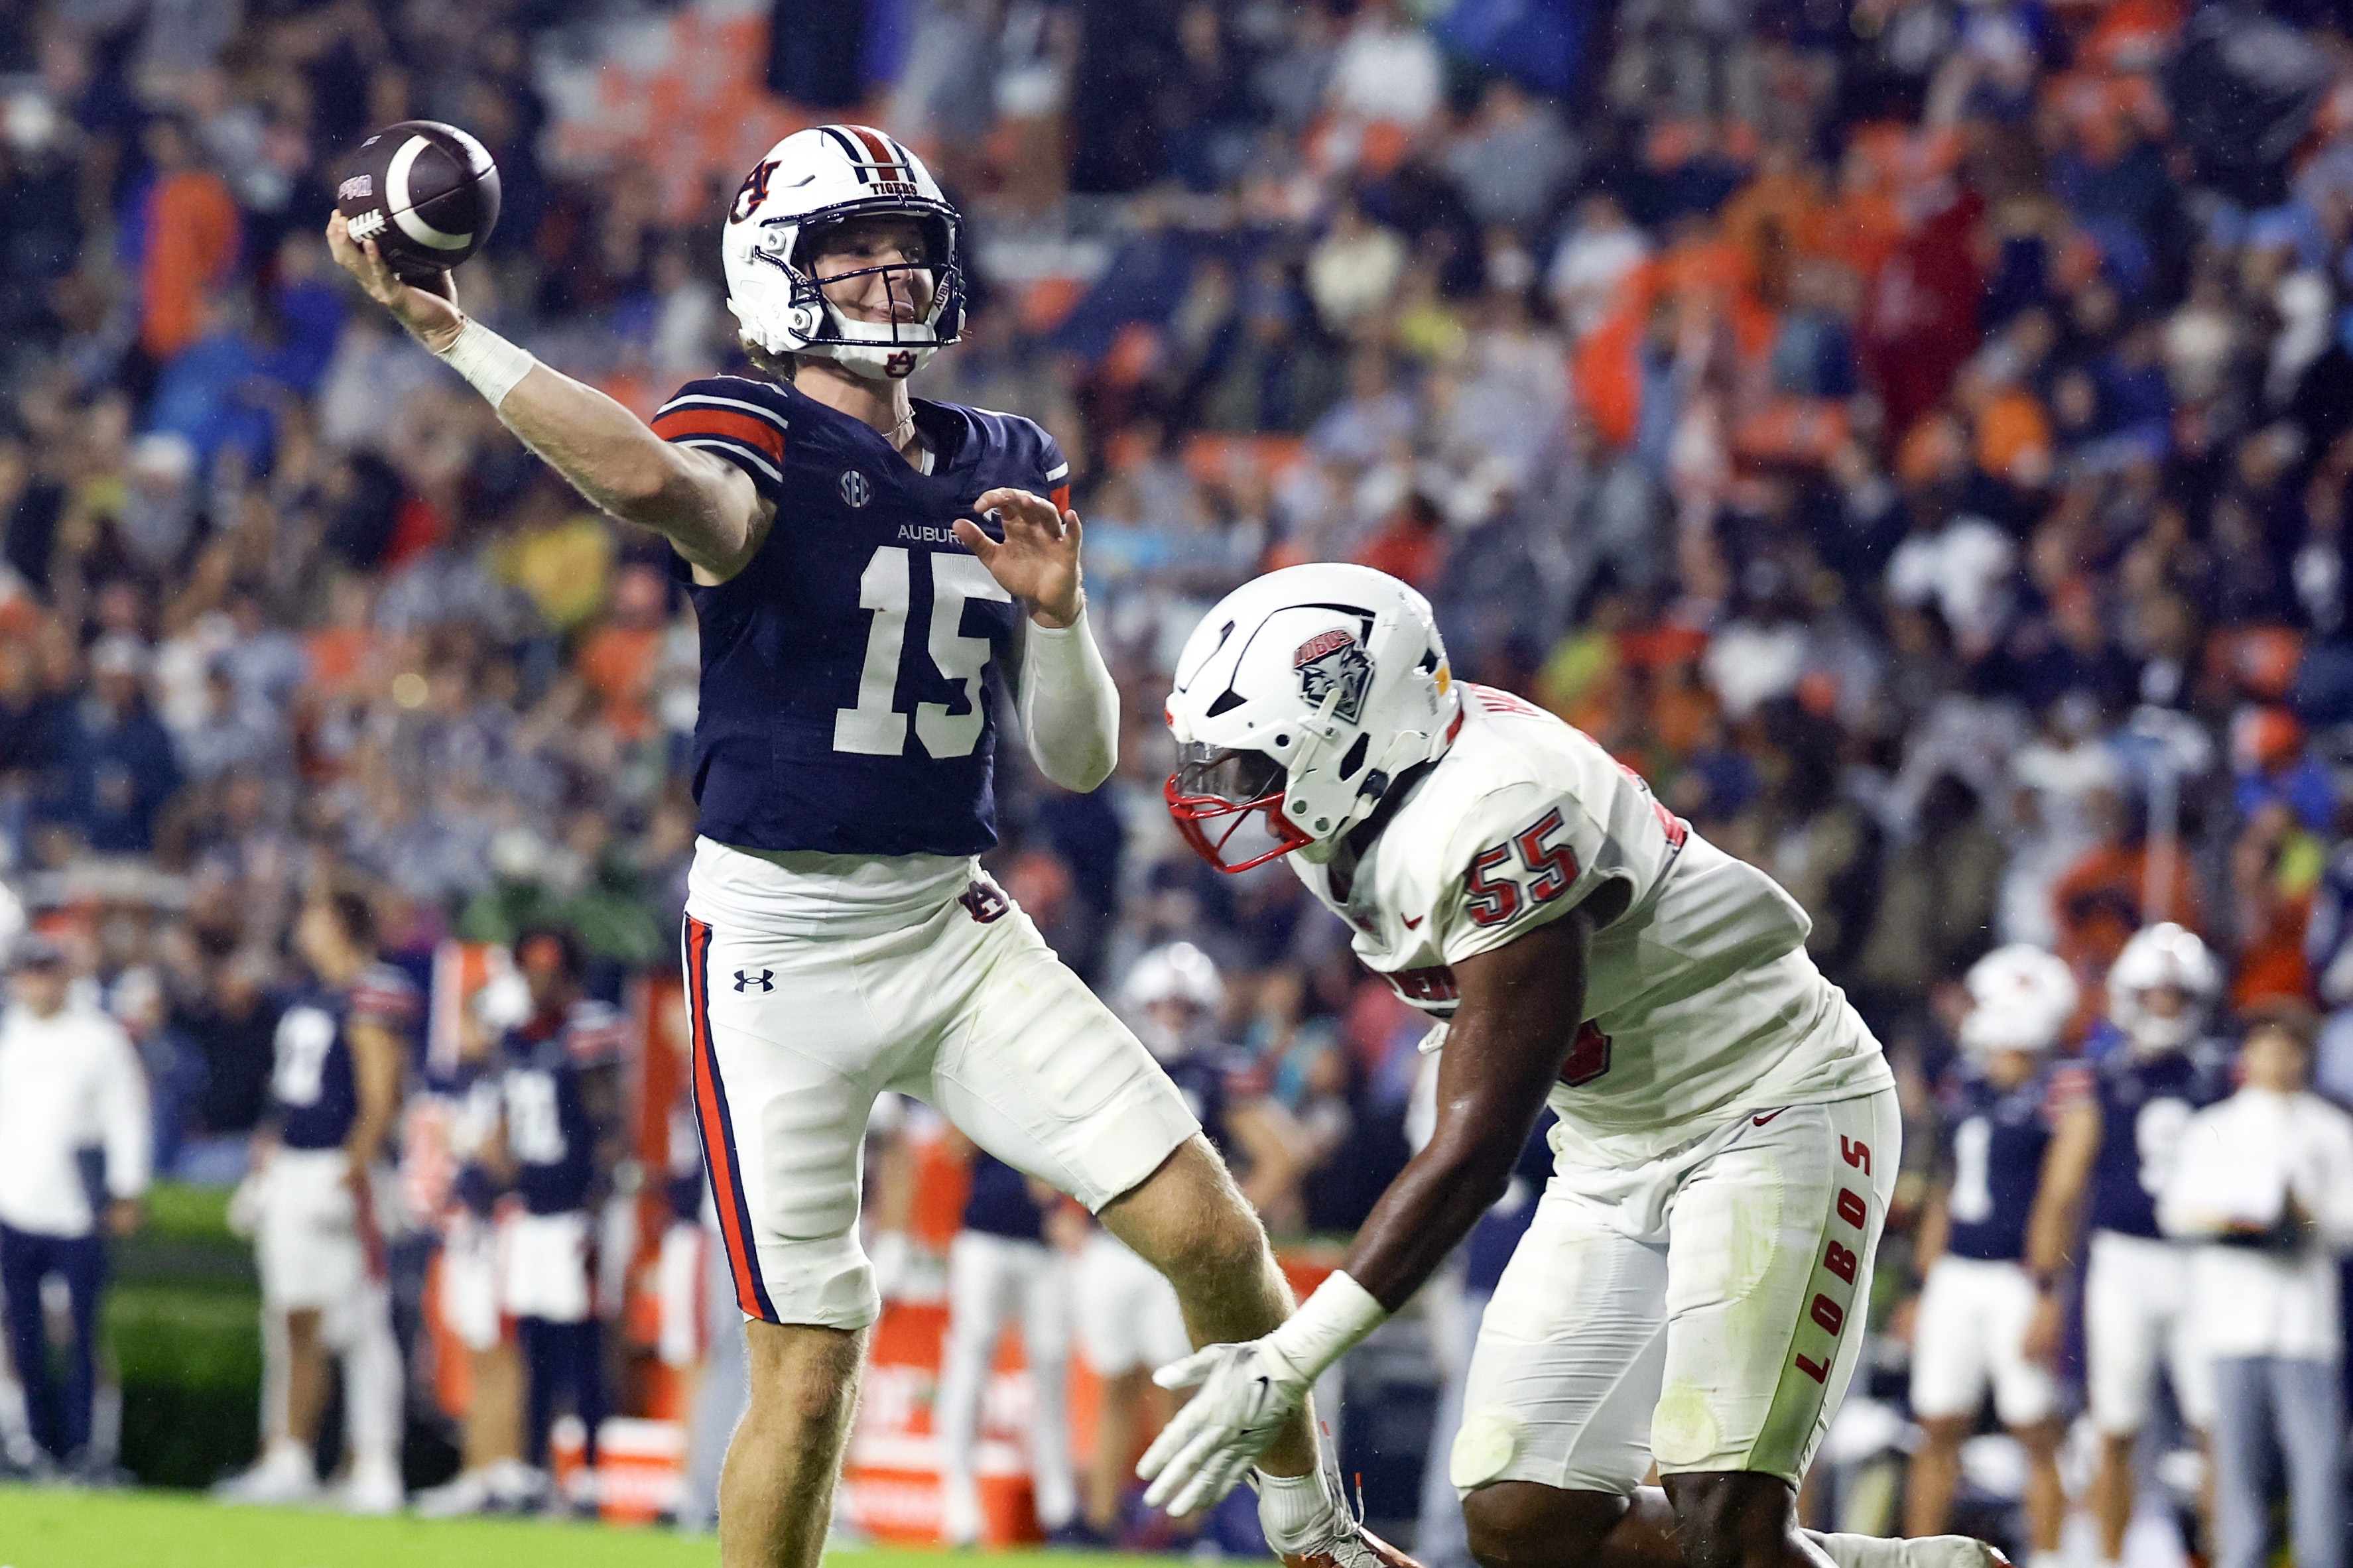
(1215, 795)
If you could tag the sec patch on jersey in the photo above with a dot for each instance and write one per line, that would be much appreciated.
(427, 193)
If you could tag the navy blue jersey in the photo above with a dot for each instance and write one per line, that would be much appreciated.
(313, 1093)
(1205, 1079)
(2145, 1104)
(1497, 1234)
(1992, 1160)
(847, 704)
(999, 1201)
(550, 1135)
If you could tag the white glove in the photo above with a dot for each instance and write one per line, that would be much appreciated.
(1247, 1390)
(1246, 1393)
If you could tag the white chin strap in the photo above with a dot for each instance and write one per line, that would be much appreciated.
(873, 352)
(876, 357)
(875, 364)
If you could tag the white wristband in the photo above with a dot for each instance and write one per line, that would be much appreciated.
(493, 364)
(1327, 1325)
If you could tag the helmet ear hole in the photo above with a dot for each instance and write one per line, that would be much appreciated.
(1356, 757)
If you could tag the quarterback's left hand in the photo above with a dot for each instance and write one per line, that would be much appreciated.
(1038, 561)
(1246, 1393)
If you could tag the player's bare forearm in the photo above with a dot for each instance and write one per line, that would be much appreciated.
(378, 1068)
(2058, 1203)
(1521, 1006)
(1936, 1229)
(704, 506)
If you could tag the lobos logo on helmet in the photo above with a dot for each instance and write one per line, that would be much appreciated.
(1334, 661)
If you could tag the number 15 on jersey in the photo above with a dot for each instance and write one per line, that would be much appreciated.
(877, 726)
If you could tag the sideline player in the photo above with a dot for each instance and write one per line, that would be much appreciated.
(1978, 1300)
(1728, 1132)
(1002, 1266)
(1128, 1319)
(558, 1136)
(840, 939)
(2116, 1147)
(335, 1091)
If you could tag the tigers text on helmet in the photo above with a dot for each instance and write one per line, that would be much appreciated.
(2021, 999)
(1299, 700)
(2163, 958)
(806, 184)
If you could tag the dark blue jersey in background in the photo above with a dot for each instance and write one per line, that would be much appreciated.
(551, 1137)
(313, 1092)
(2145, 1104)
(1991, 1160)
(998, 1202)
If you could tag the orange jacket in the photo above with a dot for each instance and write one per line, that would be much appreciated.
(192, 245)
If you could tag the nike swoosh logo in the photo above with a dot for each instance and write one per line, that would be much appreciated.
(1415, 921)
(1761, 1121)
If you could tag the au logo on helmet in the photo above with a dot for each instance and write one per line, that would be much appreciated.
(751, 192)
(1334, 661)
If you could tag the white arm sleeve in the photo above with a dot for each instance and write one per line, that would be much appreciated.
(124, 1118)
(1069, 704)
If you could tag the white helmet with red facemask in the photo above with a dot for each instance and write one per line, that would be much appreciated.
(806, 183)
(1299, 701)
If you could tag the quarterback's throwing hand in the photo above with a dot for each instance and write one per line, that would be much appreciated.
(1247, 1391)
(1038, 561)
(433, 317)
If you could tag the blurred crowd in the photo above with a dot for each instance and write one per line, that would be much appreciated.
(1915, 435)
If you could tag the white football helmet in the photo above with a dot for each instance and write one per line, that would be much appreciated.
(2161, 958)
(2022, 998)
(1300, 699)
(808, 182)
(1178, 972)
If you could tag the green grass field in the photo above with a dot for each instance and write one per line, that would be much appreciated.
(64, 1528)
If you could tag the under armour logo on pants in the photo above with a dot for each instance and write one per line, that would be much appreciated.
(765, 980)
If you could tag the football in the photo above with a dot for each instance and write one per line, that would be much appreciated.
(427, 193)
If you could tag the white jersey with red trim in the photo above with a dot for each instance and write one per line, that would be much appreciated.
(1700, 999)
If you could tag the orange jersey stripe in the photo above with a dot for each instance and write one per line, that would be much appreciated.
(743, 427)
(717, 1141)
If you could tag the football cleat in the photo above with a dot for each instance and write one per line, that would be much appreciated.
(373, 1491)
(467, 1493)
(1353, 1546)
(281, 1477)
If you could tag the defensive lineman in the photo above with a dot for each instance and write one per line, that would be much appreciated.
(1689, 1290)
(841, 939)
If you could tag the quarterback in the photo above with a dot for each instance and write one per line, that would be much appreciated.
(1691, 1291)
(875, 576)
